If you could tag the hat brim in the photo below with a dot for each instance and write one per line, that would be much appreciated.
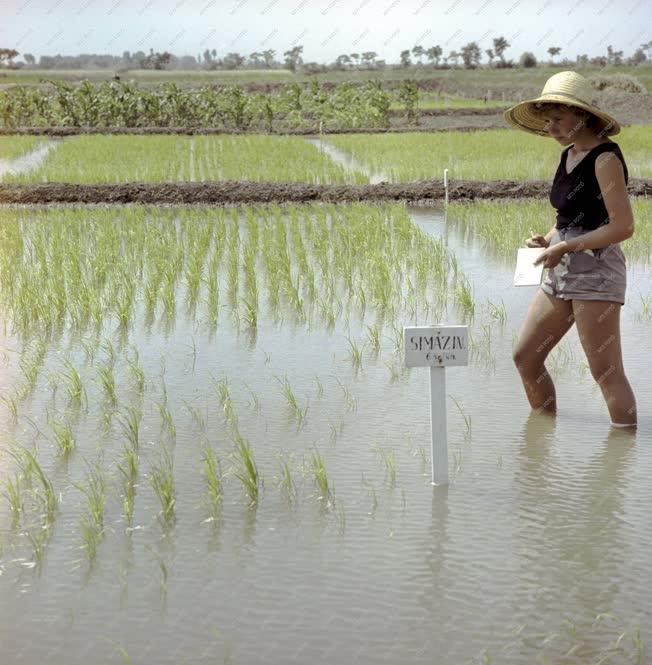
(522, 117)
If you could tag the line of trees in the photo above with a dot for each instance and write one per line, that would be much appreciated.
(470, 55)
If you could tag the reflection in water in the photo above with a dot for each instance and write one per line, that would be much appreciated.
(569, 524)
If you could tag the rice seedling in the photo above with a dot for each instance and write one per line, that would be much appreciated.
(15, 499)
(467, 419)
(107, 381)
(646, 307)
(291, 400)
(374, 338)
(197, 415)
(95, 493)
(63, 437)
(286, 479)
(321, 476)
(194, 352)
(162, 567)
(389, 461)
(247, 471)
(398, 336)
(351, 401)
(498, 313)
(394, 372)
(255, 403)
(167, 421)
(464, 296)
(224, 396)
(92, 535)
(213, 477)
(372, 493)
(38, 540)
(89, 350)
(130, 424)
(10, 402)
(74, 385)
(137, 374)
(356, 353)
(129, 472)
(457, 460)
(29, 466)
(162, 480)
(250, 314)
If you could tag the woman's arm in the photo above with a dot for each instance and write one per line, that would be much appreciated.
(611, 178)
(551, 233)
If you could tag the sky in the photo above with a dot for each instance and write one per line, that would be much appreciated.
(325, 28)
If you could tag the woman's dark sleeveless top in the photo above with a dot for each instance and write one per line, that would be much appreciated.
(576, 195)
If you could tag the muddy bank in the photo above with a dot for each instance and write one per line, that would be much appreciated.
(254, 192)
(440, 126)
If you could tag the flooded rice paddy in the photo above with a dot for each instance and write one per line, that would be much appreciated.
(212, 453)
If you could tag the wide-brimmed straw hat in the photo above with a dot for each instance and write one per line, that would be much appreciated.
(565, 88)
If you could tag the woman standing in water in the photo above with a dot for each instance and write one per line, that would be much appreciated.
(586, 277)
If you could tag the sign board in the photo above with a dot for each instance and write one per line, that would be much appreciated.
(437, 346)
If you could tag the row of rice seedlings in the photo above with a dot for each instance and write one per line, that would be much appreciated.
(364, 271)
(502, 226)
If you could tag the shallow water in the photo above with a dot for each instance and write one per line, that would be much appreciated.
(537, 548)
(28, 161)
(347, 161)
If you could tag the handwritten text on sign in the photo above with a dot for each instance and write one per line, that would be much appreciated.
(436, 345)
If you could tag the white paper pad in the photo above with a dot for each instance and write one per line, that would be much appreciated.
(526, 273)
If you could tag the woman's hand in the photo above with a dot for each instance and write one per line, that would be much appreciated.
(551, 256)
(537, 241)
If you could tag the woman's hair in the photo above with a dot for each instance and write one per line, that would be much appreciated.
(591, 121)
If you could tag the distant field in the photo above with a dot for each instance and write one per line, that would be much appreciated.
(480, 79)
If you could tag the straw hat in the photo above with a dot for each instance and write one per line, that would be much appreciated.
(566, 88)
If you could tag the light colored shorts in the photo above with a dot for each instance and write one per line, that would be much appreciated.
(590, 274)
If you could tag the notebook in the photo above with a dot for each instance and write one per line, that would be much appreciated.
(526, 273)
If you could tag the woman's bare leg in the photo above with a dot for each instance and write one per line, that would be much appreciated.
(546, 322)
(598, 326)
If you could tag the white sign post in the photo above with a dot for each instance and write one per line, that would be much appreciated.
(437, 347)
